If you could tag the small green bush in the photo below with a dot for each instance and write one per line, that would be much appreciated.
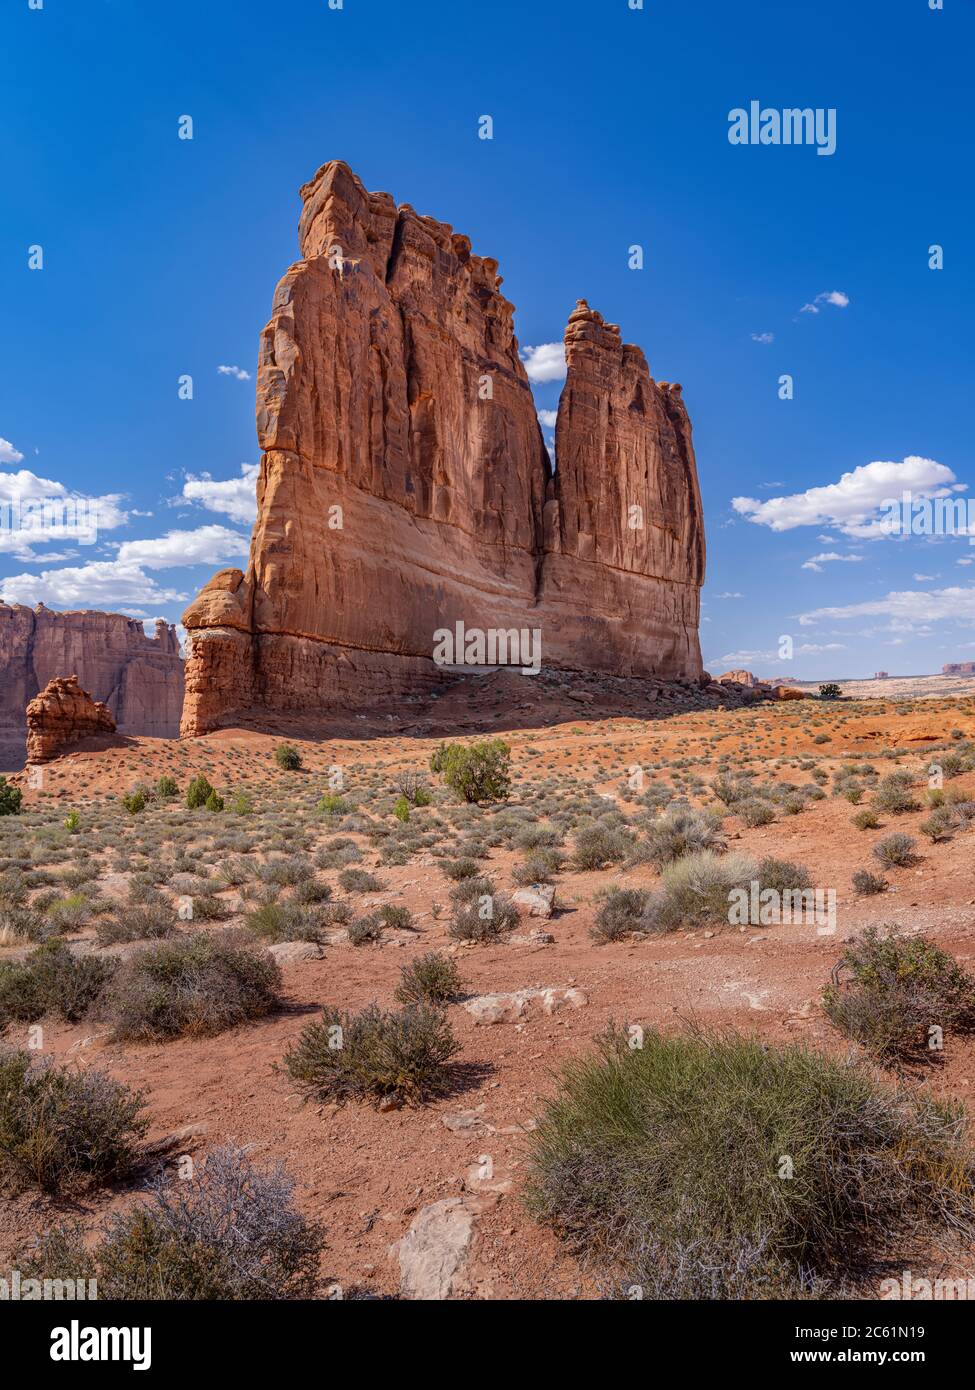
(598, 845)
(866, 820)
(478, 772)
(10, 798)
(661, 1159)
(134, 802)
(214, 802)
(895, 795)
(679, 832)
(167, 788)
(61, 1129)
(287, 757)
(895, 851)
(52, 980)
(194, 985)
(402, 1056)
(899, 995)
(359, 881)
(830, 691)
(331, 804)
(432, 979)
(229, 1233)
(198, 792)
(866, 884)
(621, 913)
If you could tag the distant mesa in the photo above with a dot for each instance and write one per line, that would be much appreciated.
(61, 716)
(958, 668)
(881, 675)
(405, 485)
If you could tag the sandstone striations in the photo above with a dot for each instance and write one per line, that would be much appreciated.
(405, 486)
(62, 715)
(139, 678)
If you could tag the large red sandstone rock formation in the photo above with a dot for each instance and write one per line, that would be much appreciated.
(139, 678)
(958, 668)
(62, 715)
(405, 485)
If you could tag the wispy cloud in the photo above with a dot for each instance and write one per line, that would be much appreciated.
(763, 337)
(237, 372)
(836, 298)
(829, 557)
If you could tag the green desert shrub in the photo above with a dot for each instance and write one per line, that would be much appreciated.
(756, 812)
(287, 757)
(194, 985)
(895, 851)
(664, 1164)
(679, 832)
(481, 916)
(895, 794)
(146, 922)
(598, 845)
(214, 802)
(331, 804)
(432, 978)
(135, 802)
(476, 772)
(198, 792)
(229, 1233)
(364, 931)
(359, 881)
(867, 884)
(10, 798)
(866, 820)
(939, 825)
(403, 1057)
(782, 875)
(62, 1129)
(52, 980)
(287, 921)
(457, 869)
(621, 913)
(167, 788)
(695, 891)
(539, 866)
(898, 995)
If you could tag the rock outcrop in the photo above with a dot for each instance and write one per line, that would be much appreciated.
(139, 678)
(745, 678)
(958, 668)
(405, 486)
(62, 715)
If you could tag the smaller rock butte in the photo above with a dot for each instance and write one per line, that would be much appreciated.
(62, 715)
(746, 678)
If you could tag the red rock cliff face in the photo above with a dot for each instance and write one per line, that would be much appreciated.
(139, 678)
(405, 485)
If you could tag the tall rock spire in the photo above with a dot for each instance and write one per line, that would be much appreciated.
(405, 485)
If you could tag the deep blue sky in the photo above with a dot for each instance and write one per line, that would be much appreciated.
(611, 128)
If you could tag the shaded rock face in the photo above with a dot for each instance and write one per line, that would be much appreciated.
(62, 715)
(405, 486)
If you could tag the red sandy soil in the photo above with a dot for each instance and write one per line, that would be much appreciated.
(365, 1174)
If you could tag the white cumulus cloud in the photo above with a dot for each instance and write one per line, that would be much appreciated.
(233, 497)
(237, 372)
(104, 584)
(852, 504)
(8, 454)
(546, 362)
(548, 418)
(207, 545)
